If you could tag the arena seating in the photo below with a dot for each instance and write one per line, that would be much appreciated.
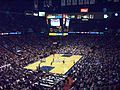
(99, 68)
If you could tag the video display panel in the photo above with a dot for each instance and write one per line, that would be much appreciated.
(58, 23)
(67, 22)
(41, 13)
(55, 22)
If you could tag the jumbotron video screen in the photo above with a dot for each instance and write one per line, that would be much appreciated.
(58, 23)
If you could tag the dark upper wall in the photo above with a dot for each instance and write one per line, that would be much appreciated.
(16, 5)
(55, 5)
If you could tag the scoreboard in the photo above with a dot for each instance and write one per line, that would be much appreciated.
(58, 23)
(63, 24)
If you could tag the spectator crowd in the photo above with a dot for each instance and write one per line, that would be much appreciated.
(99, 66)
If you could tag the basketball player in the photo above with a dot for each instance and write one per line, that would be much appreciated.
(53, 59)
(51, 63)
(74, 62)
(63, 61)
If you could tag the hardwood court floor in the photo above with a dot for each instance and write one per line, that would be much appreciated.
(61, 63)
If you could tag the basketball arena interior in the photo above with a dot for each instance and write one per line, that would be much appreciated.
(59, 44)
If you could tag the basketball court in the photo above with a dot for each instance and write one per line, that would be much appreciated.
(57, 63)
